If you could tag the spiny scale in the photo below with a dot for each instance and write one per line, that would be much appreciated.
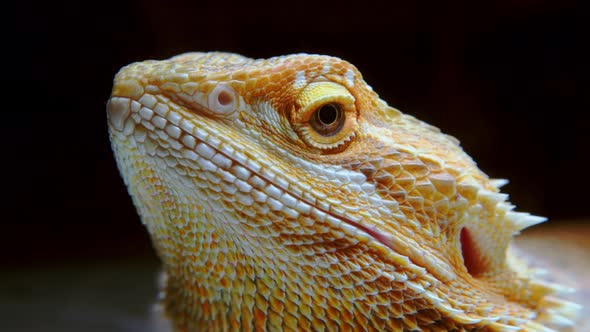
(268, 215)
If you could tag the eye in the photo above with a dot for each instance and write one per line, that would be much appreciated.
(328, 119)
(325, 116)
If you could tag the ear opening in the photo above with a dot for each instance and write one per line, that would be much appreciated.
(471, 253)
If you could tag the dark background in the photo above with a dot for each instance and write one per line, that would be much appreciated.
(504, 77)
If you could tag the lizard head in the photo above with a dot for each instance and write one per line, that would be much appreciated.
(274, 188)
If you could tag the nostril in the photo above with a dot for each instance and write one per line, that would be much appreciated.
(471, 253)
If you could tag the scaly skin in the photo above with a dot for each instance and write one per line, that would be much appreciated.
(283, 194)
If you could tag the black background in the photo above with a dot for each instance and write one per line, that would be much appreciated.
(504, 77)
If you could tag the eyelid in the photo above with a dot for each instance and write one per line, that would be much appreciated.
(309, 101)
(319, 93)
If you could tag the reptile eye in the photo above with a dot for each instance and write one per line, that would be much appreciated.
(325, 117)
(328, 119)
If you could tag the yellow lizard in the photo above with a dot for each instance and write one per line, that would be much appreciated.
(284, 195)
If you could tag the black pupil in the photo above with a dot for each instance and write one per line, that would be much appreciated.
(328, 114)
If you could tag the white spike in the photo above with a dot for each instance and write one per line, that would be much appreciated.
(505, 207)
(521, 220)
(560, 321)
(450, 310)
(432, 297)
(553, 287)
(418, 289)
(499, 183)
(491, 319)
(563, 307)
(503, 327)
(492, 197)
(465, 319)
(536, 327)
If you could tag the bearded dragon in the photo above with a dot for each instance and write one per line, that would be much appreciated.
(283, 195)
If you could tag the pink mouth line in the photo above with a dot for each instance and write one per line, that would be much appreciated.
(441, 270)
